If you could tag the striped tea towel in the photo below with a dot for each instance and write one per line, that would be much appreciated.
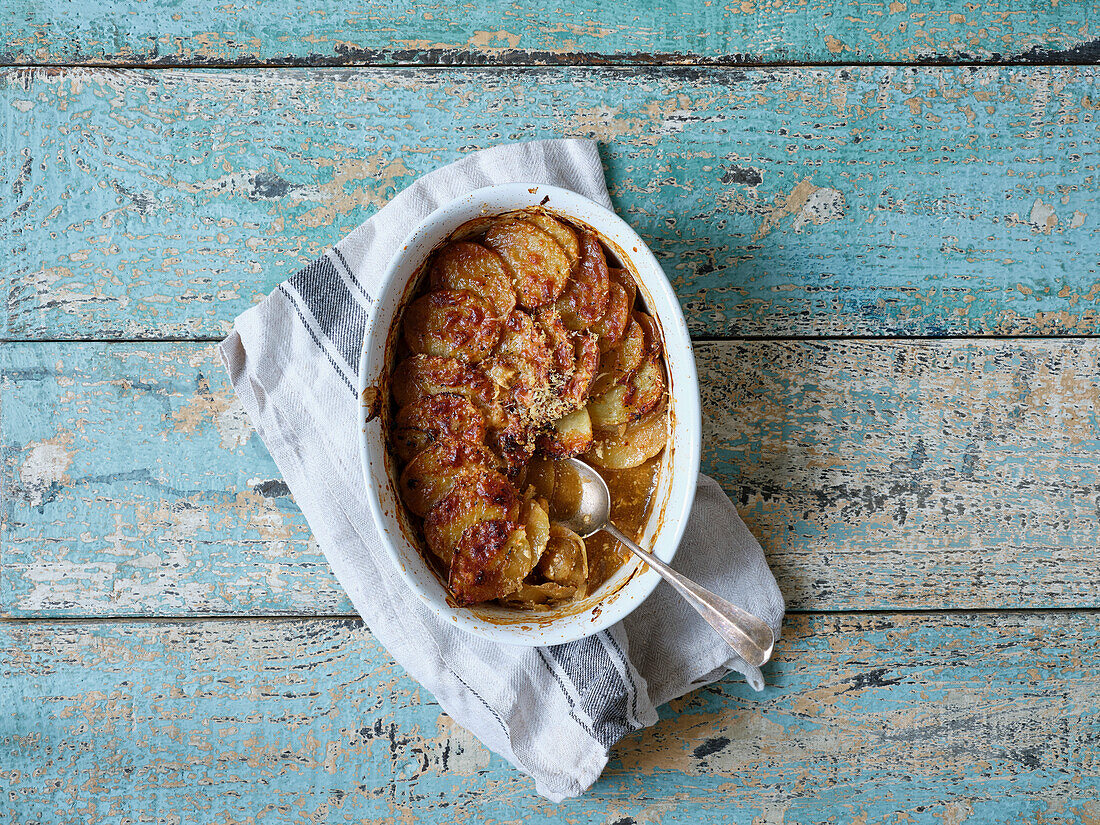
(552, 712)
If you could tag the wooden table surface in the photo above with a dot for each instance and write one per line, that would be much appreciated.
(883, 222)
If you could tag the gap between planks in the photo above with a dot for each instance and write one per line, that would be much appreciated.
(344, 617)
(494, 63)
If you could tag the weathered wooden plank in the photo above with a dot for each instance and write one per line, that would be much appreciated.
(877, 201)
(884, 474)
(539, 31)
(923, 719)
(139, 486)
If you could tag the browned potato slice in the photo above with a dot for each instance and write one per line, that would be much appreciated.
(432, 418)
(558, 340)
(522, 361)
(423, 375)
(633, 444)
(559, 231)
(479, 270)
(451, 323)
(583, 302)
(652, 332)
(612, 325)
(537, 263)
(474, 227)
(570, 436)
(435, 470)
(629, 401)
(490, 562)
(514, 444)
(472, 499)
(585, 369)
(565, 560)
(622, 360)
(626, 281)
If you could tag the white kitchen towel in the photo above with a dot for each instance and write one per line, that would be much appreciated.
(552, 712)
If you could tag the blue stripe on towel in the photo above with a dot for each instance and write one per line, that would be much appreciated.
(339, 316)
(602, 691)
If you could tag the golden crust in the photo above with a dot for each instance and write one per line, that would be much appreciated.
(612, 325)
(432, 418)
(435, 470)
(564, 235)
(477, 269)
(489, 562)
(583, 302)
(537, 263)
(451, 323)
(585, 369)
(421, 375)
(472, 499)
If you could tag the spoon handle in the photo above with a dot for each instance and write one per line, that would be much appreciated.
(748, 635)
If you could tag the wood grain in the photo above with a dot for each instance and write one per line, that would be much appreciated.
(164, 33)
(923, 719)
(786, 202)
(883, 475)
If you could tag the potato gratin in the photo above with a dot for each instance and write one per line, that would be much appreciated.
(524, 347)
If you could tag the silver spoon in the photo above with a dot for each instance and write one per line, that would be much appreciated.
(748, 635)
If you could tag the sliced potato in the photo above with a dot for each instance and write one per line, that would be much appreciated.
(540, 477)
(629, 401)
(536, 522)
(451, 323)
(652, 332)
(474, 227)
(570, 436)
(423, 375)
(623, 359)
(432, 418)
(522, 360)
(560, 232)
(540, 596)
(624, 279)
(558, 340)
(612, 325)
(435, 470)
(472, 499)
(514, 444)
(489, 562)
(586, 367)
(583, 302)
(565, 560)
(632, 444)
(536, 262)
(477, 269)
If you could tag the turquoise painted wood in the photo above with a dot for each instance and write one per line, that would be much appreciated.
(791, 202)
(144, 490)
(877, 475)
(165, 32)
(976, 718)
(785, 202)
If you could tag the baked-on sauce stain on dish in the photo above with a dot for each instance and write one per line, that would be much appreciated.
(523, 342)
